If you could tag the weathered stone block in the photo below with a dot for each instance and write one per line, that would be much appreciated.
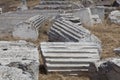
(20, 55)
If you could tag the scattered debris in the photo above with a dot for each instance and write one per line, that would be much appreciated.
(114, 17)
(20, 55)
(69, 57)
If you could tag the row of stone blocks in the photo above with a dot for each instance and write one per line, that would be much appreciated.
(56, 5)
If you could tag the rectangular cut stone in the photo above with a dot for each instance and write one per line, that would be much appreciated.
(21, 55)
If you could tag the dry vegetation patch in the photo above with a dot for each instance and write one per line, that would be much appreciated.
(110, 37)
(61, 77)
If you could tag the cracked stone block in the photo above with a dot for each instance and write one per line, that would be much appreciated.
(20, 55)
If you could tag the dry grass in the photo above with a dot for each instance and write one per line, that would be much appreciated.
(110, 37)
(61, 77)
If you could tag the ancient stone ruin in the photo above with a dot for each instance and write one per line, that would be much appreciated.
(70, 48)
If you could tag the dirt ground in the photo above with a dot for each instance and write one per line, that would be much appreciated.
(60, 77)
